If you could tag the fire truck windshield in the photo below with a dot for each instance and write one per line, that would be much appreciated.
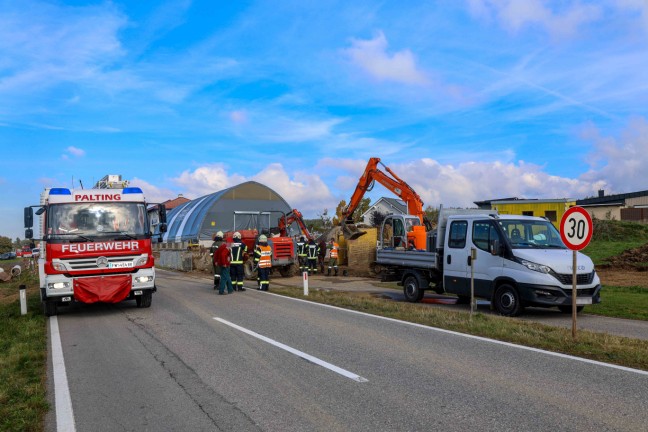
(88, 221)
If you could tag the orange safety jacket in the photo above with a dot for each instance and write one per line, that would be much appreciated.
(334, 250)
(263, 256)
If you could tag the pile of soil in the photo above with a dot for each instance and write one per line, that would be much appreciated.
(632, 259)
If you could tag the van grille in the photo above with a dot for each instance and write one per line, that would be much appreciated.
(581, 279)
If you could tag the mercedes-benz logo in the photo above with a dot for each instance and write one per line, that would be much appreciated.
(102, 261)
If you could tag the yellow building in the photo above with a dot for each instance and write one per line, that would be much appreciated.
(552, 209)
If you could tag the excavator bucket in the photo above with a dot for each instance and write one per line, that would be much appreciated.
(351, 231)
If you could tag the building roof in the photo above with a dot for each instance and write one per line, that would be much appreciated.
(486, 204)
(397, 205)
(249, 205)
(175, 202)
(611, 199)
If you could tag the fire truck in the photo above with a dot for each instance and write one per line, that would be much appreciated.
(95, 245)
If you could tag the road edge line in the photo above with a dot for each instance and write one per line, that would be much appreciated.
(62, 399)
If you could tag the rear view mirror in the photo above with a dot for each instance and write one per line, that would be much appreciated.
(29, 217)
(163, 215)
(29, 233)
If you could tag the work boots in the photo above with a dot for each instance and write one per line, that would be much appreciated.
(328, 273)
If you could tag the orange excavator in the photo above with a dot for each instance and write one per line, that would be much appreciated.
(293, 216)
(392, 182)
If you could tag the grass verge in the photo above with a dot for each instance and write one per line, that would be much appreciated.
(23, 358)
(596, 346)
(622, 302)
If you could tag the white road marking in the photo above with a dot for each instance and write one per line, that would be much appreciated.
(298, 353)
(62, 400)
(494, 341)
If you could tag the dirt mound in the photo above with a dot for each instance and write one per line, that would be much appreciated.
(631, 259)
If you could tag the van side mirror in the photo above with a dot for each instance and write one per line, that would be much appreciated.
(495, 247)
(29, 218)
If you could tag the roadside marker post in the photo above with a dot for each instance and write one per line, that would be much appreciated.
(305, 277)
(23, 300)
(576, 230)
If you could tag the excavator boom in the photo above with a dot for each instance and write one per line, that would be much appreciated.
(293, 216)
(392, 182)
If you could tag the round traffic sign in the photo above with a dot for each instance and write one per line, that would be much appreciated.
(576, 228)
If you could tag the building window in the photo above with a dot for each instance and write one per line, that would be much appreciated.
(527, 213)
(551, 215)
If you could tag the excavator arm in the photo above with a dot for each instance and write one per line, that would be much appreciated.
(293, 216)
(392, 182)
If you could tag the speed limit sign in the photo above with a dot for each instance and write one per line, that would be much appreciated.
(576, 228)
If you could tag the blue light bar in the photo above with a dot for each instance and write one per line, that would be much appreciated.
(130, 190)
(60, 191)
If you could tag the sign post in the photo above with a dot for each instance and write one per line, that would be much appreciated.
(576, 232)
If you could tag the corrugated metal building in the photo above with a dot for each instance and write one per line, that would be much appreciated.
(552, 209)
(249, 205)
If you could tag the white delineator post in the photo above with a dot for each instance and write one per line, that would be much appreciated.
(23, 300)
(305, 277)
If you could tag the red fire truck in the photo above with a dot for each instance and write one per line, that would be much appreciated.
(95, 246)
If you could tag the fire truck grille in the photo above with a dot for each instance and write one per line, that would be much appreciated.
(80, 264)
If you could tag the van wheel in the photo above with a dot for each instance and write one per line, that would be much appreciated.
(507, 301)
(568, 309)
(49, 308)
(412, 290)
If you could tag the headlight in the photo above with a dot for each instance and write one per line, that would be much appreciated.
(58, 285)
(141, 261)
(535, 267)
(59, 266)
(142, 279)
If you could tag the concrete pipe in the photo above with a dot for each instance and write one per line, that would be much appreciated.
(16, 270)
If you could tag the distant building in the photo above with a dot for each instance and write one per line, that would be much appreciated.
(631, 206)
(552, 209)
(173, 203)
(385, 206)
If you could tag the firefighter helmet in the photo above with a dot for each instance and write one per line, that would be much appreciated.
(237, 235)
(263, 238)
(219, 234)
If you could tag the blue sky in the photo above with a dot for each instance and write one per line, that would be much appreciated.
(466, 100)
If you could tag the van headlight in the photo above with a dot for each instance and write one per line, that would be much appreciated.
(535, 266)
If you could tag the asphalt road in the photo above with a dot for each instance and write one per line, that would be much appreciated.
(175, 367)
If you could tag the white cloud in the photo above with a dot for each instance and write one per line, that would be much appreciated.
(206, 180)
(75, 151)
(558, 21)
(238, 116)
(372, 56)
(152, 193)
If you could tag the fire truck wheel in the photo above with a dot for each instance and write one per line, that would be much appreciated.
(49, 308)
(287, 271)
(144, 300)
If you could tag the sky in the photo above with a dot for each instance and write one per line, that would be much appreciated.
(466, 100)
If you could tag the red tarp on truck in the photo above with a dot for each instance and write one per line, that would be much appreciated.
(107, 289)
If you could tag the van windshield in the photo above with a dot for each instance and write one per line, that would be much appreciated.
(525, 234)
(88, 221)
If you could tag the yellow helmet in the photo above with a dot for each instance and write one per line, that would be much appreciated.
(263, 238)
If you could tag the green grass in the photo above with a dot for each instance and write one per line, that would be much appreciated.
(596, 346)
(622, 302)
(600, 250)
(23, 358)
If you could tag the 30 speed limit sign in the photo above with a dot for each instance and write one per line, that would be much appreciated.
(576, 228)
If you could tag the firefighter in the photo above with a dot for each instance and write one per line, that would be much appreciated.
(312, 250)
(239, 253)
(333, 257)
(218, 240)
(301, 254)
(263, 262)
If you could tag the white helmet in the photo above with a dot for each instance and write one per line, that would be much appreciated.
(237, 235)
(263, 238)
(219, 234)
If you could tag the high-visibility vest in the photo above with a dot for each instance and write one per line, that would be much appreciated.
(312, 250)
(334, 250)
(263, 256)
(301, 248)
(238, 249)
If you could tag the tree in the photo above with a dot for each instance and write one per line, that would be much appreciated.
(362, 207)
(6, 245)
(338, 212)
(377, 218)
(432, 214)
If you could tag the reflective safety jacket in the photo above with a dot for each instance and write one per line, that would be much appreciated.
(263, 256)
(239, 249)
(334, 250)
(312, 250)
(301, 248)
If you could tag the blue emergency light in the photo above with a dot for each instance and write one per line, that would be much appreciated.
(60, 191)
(132, 190)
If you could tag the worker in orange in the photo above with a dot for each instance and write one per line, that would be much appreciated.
(333, 256)
(263, 262)
(238, 249)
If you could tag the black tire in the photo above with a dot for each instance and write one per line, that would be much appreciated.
(248, 269)
(507, 301)
(568, 309)
(49, 308)
(412, 289)
(463, 299)
(144, 300)
(287, 271)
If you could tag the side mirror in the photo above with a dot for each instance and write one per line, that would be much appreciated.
(163, 216)
(40, 211)
(495, 247)
(162, 227)
(29, 218)
(29, 233)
